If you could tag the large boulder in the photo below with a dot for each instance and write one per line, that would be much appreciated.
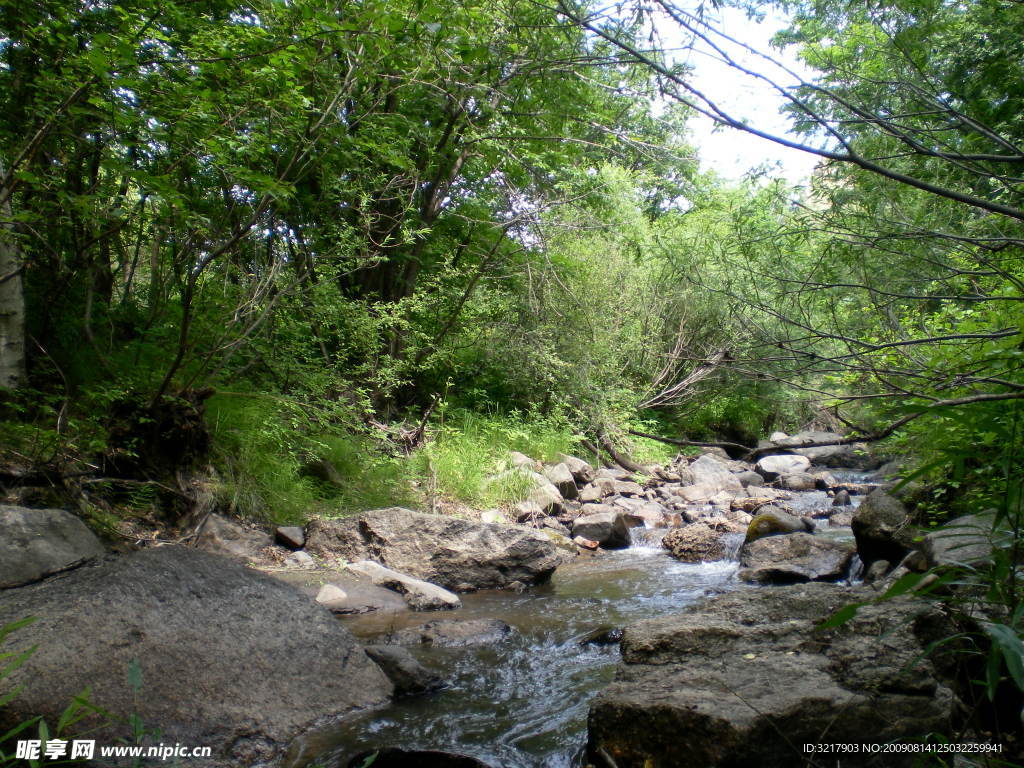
(40, 542)
(582, 472)
(776, 465)
(883, 528)
(695, 543)
(229, 658)
(712, 476)
(794, 558)
(457, 554)
(967, 540)
(609, 528)
(745, 680)
(560, 477)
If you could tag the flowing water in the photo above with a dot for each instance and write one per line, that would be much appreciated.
(521, 702)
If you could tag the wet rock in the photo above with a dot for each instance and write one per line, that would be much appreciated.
(842, 498)
(420, 595)
(226, 537)
(745, 679)
(40, 542)
(824, 480)
(653, 514)
(603, 636)
(409, 677)
(291, 536)
(609, 529)
(882, 528)
(556, 526)
(793, 558)
(230, 658)
(457, 554)
(392, 757)
(452, 633)
(842, 517)
(695, 543)
(560, 477)
(581, 471)
(876, 571)
(772, 467)
(771, 521)
(799, 481)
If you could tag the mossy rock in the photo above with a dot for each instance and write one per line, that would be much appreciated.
(772, 522)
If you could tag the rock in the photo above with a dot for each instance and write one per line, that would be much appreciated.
(300, 559)
(551, 524)
(614, 473)
(771, 521)
(748, 478)
(799, 481)
(526, 512)
(771, 467)
(842, 517)
(544, 494)
(590, 494)
(452, 633)
(714, 452)
(603, 636)
(409, 677)
(824, 480)
(876, 571)
(745, 679)
(590, 544)
(40, 542)
(964, 541)
(521, 461)
(560, 477)
(669, 476)
(352, 596)
(626, 488)
(695, 543)
(709, 473)
(581, 471)
(882, 528)
(795, 557)
(230, 658)
(420, 595)
(776, 437)
(609, 529)
(850, 455)
(653, 514)
(226, 537)
(493, 516)
(457, 554)
(842, 498)
(291, 536)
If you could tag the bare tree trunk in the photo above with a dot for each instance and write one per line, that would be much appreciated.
(12, 301)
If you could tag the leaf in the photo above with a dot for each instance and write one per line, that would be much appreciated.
(1009, 644)
(905, 583)
(840, 617)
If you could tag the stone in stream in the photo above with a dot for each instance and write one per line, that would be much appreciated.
(711, 477)
(798, 481)
(409, 677)
(605, 635)
(695, 543)
(452, 633)
(230, 658)
(610, 529)
(771, 521)
(457, 554)
(745, 679)
(883, 528)
(40, 542)
(842, 498)
(420, 595)
(774, 466)
(795, 557)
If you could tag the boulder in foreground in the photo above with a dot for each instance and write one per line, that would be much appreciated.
(457, 554)
(229, 658)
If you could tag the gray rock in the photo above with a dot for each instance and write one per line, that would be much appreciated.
(230, 658)
(522, 461)
(526, 512)
(711, 474)
(347, 596)
(609, 529)
(626, 488)
(795, 557)
(744, 680)
(420, 595)
(591, 493)
(544, 494)
(582, 472)
(799, 481)
(842, 498)
(457, 554)
(750, 479)
(409, 677)
(771, 521)
(560, 477)
(883, 528)
(291, 536)
(771, 467)
(850, 455)
(695, 543)
(966, 540)
(227, 537)
(841, 517)
(40, 542)
(300, 559)
(876, 571)
(452, 633)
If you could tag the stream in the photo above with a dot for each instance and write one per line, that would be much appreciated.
(522, 701)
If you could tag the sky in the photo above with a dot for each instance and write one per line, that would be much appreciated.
(731, 153)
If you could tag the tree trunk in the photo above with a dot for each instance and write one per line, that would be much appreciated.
(12, 301)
